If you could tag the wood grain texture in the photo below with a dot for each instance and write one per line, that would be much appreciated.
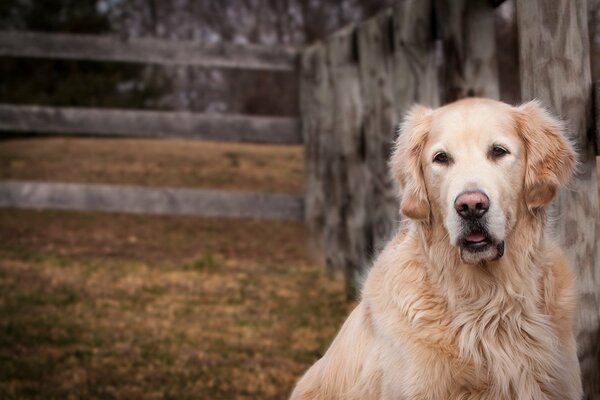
(470, 69)
(317, 126)
(597, 116)
(155, 51)
(398, 69)
(355, 88)
(415, 65)
(141, 200)
(346, 206)
(377, 74)
(555, 68)
(161, 124)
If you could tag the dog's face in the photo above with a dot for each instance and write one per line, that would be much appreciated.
(474, 164)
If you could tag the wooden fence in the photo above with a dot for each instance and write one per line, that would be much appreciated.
(145, 50)
(144, 123)
(357, 84)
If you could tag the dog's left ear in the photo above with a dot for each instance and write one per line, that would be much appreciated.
(405, 162)
(550, 156)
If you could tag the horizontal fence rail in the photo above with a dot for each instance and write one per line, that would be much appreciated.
(143, 200)
(145, 50)
(162, 124)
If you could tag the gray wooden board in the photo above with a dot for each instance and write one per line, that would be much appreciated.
(165, 124)
(317, 119)
(355, 86)
(145, 50)
(597, 115)
(376, 44)
(415, 64)
(467, 31)
(555, 68)
(347, 212)
(146, 200)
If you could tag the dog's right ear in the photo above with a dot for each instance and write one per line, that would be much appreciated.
(405, 163)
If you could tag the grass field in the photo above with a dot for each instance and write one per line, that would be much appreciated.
(109, 306)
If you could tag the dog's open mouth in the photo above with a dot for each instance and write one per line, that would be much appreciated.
(476, 241)
(477, 245)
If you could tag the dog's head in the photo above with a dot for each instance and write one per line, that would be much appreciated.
(474, 165)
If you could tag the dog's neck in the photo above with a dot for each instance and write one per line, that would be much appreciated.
(510, 277)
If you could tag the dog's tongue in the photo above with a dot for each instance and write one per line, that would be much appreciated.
(475, 237)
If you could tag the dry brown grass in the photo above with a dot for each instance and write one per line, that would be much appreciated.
(109, 306)
(129, 307)
(150, 162)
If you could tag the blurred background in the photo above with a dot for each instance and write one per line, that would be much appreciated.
(128, 306)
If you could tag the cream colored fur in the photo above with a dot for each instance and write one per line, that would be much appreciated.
(432, 326)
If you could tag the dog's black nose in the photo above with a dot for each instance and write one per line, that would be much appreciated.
(472, 205)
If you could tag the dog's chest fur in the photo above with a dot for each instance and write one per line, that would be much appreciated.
(493, 348)
(514, 345)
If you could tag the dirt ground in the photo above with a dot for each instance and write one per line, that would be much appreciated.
(113, 306)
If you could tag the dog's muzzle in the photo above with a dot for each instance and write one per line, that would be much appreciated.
(476, 243)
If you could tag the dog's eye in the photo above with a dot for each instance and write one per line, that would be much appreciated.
(498, 152)
(441, 158)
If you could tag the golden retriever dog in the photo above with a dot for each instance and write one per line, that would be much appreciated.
(471, 299)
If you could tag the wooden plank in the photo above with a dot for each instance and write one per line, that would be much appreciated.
(415, 64)
(161, 124)
(377, 73)
(398, 69)
(466, 28)
(317, 125)
(555, 68)
(143, 200)
(145, 50)
(346, 240)
(355, 88)
(597, 116)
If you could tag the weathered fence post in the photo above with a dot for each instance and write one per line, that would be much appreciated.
(336, 176)
(415, 65)
(355, 88)
(555, 68)
(376, 43)
(398, 69)
(346, 215)
(317, 122)
(467, 30)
